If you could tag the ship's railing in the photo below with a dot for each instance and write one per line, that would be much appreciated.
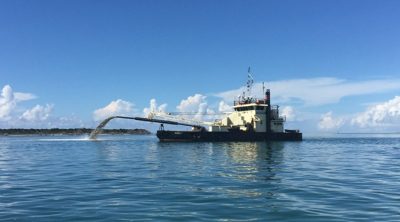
(249, 101)
(280, 118)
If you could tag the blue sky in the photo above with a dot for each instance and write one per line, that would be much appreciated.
(71, 58)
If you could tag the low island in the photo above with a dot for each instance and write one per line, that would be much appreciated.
(70, 131)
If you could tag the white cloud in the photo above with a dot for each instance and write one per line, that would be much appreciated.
(37, 113)
(154, 107)
(288, 112)
(328, 122)
(12, 115)
(9, 100)
(23, 96)
(71, 121)
(196, 105)
(192, 103)
(50, 121)
(224, 107)
(7, 93)
(117, 107)
(317, 91)
(384, 114)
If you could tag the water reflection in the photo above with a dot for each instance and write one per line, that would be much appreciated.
(138, 177)
(256, 167)
(107, 151)
(247, 157)
(223, 170)
(257, 158)
(243, 152)
(238, 169)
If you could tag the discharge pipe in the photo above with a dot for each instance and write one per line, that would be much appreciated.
(99, 128)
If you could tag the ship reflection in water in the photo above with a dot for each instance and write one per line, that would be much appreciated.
(251, 163)
(237, 166)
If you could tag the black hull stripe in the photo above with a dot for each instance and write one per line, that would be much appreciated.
(179, 136)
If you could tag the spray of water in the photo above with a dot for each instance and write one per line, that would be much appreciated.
(99, 128)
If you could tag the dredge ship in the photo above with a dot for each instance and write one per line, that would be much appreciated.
(252, 119)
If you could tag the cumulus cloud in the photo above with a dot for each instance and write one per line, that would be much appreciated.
(317, 91)
(288, 112)
(196, 105)
(117, 107)
(192, 103)
(154, 107)
(12, 115)
(9, 100)
(384, 114)
(328, 122)
(37, 113)
(49, 121)
(224, 107)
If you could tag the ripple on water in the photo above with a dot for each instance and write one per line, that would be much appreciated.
(134, 177)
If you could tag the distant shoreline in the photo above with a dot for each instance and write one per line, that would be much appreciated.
(69, 131)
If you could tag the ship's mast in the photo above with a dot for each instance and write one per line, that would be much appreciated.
(263, 88)
(268, 112)
(249, 83)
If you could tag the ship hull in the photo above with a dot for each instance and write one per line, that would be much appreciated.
(204, 136)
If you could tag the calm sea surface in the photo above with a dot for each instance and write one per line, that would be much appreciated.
(64, 178)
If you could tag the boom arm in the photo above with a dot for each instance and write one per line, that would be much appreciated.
(182, 121)
(98, 129)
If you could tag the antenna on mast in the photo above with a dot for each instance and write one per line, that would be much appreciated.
(250, 82)
(263, 88)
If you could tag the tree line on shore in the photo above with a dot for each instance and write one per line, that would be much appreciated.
(70, 131)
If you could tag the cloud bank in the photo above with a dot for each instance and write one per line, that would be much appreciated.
(9, 100)
(154, 107)
(328, 122)
(297, 95)
(383, 114)
(224, 107)
(196, 105)
(381, 117)
(288, 112)
(316, 91)
(117, 107)
(12, 115)
(37, 113)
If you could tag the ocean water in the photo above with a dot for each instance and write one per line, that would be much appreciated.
(136, 178)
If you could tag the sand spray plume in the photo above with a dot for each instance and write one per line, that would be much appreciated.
(99, 128)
